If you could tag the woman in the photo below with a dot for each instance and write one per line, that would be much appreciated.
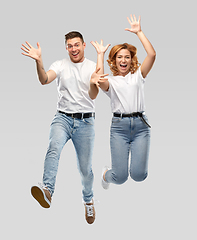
(130, 131)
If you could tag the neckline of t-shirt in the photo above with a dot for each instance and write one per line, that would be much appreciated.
(79, 63)
(123, 77)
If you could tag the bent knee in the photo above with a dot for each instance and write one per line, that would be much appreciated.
(139, 176)
(120, 179)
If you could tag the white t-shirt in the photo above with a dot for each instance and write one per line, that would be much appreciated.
(73, 81)
(127, 93)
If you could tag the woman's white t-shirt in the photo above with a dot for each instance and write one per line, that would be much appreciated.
(127, 93)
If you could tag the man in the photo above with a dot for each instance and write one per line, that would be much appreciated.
(74, 118)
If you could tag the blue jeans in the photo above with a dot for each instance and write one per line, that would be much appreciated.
(128, 136)
(81, 132)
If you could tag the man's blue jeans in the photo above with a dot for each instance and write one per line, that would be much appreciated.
(81, 132)
(128, 136)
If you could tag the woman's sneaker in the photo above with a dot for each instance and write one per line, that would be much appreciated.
(42, 195)
(104, 184)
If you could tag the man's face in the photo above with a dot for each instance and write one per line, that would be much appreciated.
(75, 49)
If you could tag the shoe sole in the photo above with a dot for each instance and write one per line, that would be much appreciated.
(39, 195)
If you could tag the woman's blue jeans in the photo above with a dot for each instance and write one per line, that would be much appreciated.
(81, 132)
(129, 135)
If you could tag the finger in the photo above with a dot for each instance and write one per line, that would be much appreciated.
(129, 20)
(94, 44)
(25, 47)
(25, 54)
(102, 42)
(134, 17)
(25, 50)
(29, 44)
(103, 80)
(139, 21)
(107, 46)
(128, 29)
(104, 75)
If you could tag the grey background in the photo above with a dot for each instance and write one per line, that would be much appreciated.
(162, 207)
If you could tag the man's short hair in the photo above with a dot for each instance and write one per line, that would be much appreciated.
(72, 35)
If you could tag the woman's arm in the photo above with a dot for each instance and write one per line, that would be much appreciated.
(151, 54)
(97, 79)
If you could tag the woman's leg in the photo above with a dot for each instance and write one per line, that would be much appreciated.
(140, 150)
(120, 147)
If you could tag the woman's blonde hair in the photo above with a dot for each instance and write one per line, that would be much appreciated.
(112, 58)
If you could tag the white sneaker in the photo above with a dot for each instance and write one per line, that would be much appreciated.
(104, 184)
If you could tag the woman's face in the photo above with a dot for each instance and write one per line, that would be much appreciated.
(123, 62)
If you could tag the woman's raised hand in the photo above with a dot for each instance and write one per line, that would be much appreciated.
(135, 24)
(99, 47)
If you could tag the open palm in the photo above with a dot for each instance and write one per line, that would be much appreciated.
(99, 47)
(31, 52)
(135, 24)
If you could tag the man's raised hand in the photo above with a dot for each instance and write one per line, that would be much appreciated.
(31, 52)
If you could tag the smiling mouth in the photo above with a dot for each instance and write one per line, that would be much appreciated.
(75, 54)
(123, 65)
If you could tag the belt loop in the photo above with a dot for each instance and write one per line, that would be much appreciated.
(121, 115)
(72, 115)
(82, 115)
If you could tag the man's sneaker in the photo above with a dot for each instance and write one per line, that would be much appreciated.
(42, 195)
(89, 212)
(104, 184)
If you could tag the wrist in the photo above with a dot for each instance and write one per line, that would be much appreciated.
(92, 82)
(39, 60)
(101, 54)
(139, 32)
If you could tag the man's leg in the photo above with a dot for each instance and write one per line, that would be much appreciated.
(59, 135)
(83, 140)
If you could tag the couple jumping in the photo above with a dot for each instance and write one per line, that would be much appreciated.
(78, 82)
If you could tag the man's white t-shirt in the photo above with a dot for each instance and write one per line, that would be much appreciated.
(73, 82)
(127, 93)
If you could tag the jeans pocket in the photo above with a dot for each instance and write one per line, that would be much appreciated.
(116, 119)
(89, 121)
(145, 120)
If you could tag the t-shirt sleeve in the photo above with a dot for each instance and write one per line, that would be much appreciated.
(108, 92)
(92, 68)
(139, 74)
(56, 67)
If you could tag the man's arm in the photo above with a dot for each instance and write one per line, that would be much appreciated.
(95, 82)
(36, 54)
